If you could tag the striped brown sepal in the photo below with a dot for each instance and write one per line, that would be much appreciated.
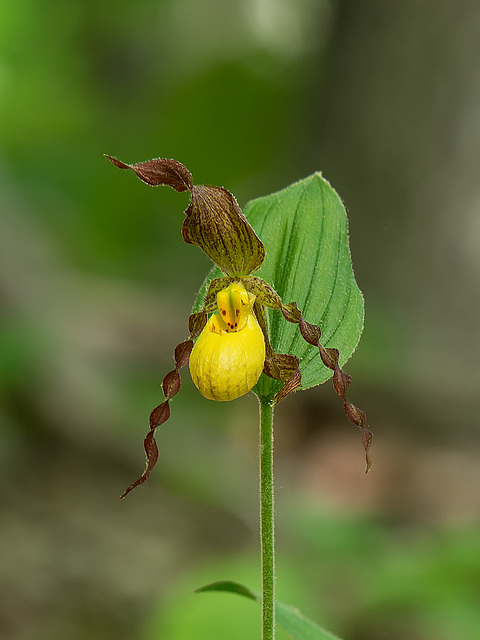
(280, 366)
(214, 221)
(216, 224)
(341, 381)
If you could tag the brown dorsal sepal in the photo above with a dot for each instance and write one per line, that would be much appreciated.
(215, 223)
(160, 172)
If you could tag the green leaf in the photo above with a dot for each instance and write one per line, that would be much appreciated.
(290, 619)
(299, 626)
(305, 232)
(231, 587)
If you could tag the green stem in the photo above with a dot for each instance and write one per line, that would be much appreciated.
(267, 514)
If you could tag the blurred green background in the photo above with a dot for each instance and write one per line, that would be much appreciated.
(96, 286)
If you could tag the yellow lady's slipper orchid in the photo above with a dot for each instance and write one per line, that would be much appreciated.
(228, 357)
(232, 347)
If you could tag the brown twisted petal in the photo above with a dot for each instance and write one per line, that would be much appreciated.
(171, 386)
(159, 415)
(267, 296)
(196, 323)
(341, 382)
(264, 293)
(182, 354)
(281, 366)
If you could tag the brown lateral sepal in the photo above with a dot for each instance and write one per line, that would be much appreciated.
(280, 366)
(293, 382)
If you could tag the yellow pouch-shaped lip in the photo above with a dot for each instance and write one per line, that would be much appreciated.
(226, 361)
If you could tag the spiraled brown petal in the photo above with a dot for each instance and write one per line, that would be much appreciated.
(171, 386)
(151, 453)
(196, 323)
(265, 294)
(291, 312)
(311, 333)
(182, 353)
(159, 415)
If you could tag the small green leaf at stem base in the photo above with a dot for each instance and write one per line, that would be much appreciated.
(289, 618)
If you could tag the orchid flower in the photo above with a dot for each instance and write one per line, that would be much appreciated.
(229, 345)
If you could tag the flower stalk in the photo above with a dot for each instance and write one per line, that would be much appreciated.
(267, 520)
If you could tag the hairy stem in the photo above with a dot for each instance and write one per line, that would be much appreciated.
(267, 513)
